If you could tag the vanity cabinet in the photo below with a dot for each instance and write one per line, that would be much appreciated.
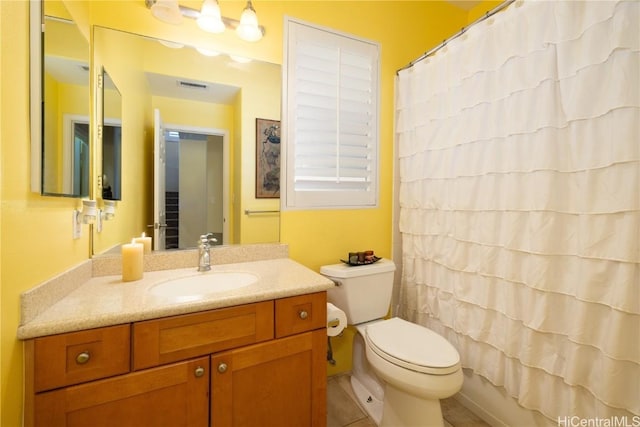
(280, 382)
(255, 364)
(76, 357)
(277, 383)
(172, 395)
(176, 338)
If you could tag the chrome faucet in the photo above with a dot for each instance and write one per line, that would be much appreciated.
(204, 257)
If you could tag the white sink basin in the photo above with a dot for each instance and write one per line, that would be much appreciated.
(201, 284)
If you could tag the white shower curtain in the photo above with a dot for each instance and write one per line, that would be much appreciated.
(519, 194)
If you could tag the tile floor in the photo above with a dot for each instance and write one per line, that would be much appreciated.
(343, 411)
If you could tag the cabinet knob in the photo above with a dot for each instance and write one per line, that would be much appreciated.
(303, 314)
(222, 368)
(199, 372)
(83, 358)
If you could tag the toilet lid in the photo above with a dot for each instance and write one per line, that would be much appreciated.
(413, 347)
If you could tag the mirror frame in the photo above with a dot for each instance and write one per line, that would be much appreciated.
(36, 83)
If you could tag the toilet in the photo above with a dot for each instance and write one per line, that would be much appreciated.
(400, 370)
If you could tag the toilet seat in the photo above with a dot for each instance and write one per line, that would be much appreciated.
(412, 346)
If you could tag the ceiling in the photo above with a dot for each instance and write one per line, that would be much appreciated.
(194, 90)
(67, 70)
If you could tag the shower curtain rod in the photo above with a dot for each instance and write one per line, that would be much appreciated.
(428, 53)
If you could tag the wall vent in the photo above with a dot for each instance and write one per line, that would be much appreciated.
(192, 85)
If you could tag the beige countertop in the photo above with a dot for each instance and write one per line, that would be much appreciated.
(107, 300)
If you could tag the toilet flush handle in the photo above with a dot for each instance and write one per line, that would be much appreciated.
(336, 282)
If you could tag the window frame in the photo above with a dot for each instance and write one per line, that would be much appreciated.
(298, 199)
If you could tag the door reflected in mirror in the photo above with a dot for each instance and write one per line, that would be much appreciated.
(65, 133)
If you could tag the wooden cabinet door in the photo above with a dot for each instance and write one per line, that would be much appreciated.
(279, 383)
(172, 395)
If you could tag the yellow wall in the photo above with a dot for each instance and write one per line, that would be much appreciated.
(65, 99)
(2, 109)
(481, 9)
(35, 231)
(258, 100)
(193, 113)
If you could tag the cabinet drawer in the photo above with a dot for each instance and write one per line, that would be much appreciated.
(300, 314)
(161, 341)
(76, 357)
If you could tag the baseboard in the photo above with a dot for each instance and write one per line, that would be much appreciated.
(482, 413)
(494, 405)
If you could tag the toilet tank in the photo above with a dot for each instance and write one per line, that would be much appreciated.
(363, 292)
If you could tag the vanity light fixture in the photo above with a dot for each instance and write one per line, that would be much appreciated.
(86, 215)
(209, 17)
(248, 29)
(167, 11)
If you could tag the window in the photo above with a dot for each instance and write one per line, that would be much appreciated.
(330, 114)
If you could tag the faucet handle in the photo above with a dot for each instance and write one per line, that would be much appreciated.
(207, 238)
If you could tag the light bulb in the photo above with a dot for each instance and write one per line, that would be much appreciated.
(167, 11)
(248, 28)
(210, 19)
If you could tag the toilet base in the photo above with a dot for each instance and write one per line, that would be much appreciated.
(369, 403)
(404, 409)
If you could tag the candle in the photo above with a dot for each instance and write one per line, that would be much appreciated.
(132, 261)
(146, 242)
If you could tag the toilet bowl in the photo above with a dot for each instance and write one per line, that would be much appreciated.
(418, 366)
(400, 370)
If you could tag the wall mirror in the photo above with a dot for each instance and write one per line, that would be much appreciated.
(205, 104)
(110, 175)
(60, 103)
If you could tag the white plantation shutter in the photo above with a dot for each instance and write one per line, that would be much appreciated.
(330, 151)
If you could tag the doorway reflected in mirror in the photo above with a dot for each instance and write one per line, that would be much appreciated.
(194, 184)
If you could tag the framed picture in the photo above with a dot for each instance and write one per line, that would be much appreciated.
(267, 159)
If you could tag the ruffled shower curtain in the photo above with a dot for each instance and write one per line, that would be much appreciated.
(519, 164)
